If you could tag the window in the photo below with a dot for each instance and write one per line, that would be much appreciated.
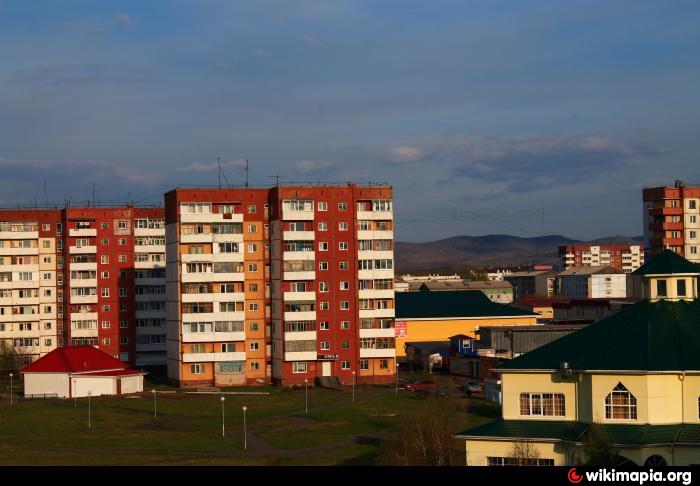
(344, 266)
(345, 324)
(323, 326)
(692, 204)
(254, 326)
(122, 258)
(299, 367)
(323, 306)
(344, 285)
(104, 292)
(544, 404)
(345, 345)
(680, 288)
(254, 346)
(252, 248)
(323, 265)
(325, 345)
(364, 364)
(323, 226)
(515, 461)
(104, 275)
(345, 365)
(122, 292)
(342, 206)
(323, 246)
(123, 324)
(620, 404)
(104, 259)
(323, 287)
(197, 368)
(252, 228)
(121, 225)
(105, 242)
(661, 288)
(252, 267)
(343, 226)
(252, 208)
(253, 307)
(123, 340)
(105, 324)
(122, 241)
(323, 206)
(344, 305)
(105, 341)
(343, 245)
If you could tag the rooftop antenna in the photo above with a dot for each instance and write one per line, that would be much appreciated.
(93, 194)
(218, 164)
(46, 196)
(247, 169)
(222, 173)
(277, 178)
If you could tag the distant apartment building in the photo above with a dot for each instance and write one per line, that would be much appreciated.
(287, 284)
(672, 220)
(600, 282)
(626, 258)
(538, 282)
(83, 276)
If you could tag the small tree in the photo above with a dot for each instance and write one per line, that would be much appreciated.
(524, 453)
(426, 440)
(9, 359)
(597, 449)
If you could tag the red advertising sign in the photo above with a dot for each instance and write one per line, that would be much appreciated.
(400, 329)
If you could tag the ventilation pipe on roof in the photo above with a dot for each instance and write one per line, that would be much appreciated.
(565, 370)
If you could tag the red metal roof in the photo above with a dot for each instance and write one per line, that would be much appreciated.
(74, 359)
(117, 373)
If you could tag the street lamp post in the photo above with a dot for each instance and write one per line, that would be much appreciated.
(89, 393)
(306, 393)
(223, 418)
(245, 431)
(397, 377)
(75, 394)
(353, 388)
(11, 375)
(155, 404)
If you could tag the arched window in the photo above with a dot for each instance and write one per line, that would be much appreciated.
(655, 461)
(620, 404)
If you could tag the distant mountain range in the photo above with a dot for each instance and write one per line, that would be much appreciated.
(472, 251)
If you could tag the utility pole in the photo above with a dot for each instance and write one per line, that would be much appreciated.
(218, 164)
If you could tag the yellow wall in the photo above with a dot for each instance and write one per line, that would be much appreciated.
(478, 451)
(513, 384)
(442, 329)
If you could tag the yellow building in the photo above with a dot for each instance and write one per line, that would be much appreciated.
(435, 316)
(633, 378)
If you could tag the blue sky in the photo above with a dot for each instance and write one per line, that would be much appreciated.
(482, 114)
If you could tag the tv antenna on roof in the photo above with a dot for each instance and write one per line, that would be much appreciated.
(247, 170)
(277, 178)
(221, 173)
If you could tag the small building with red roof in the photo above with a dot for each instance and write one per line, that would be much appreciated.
(74, 371)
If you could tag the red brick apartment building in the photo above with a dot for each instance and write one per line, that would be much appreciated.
(286, 284)
(626, 258)
(672, 220)
(84, 276)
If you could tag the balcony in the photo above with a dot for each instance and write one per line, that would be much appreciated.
(298, 235)
(377, 353)
(87, 282)
(84, 266)
(19, 235)
(375, 255)
(304, 275)
(300, 316)
(376, 294)
(299, 255)
(149, 231)
(209, 357)
(375, 235)
(211, 218)
(375, 215)
(211, 337)
(149, 281)
(83, 333)
(378, 333)
(83, 299)
(77, 250)
(196, 238)
(81, 233)
(375, 274)
(291, 215)
(149, 264)
(666, 226)
(367, 313)
(213, 297)
(213, 316)
(150, 297)
(303, 296)
(300, 356)
(227, 238)
(300, 335)
(19, 251)
(666, 211)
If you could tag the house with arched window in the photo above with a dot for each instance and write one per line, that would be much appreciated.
(632, 378)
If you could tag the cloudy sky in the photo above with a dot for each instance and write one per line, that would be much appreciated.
(487, 116)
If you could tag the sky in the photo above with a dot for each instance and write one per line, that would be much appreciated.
(487, 117)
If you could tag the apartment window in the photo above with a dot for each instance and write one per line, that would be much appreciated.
(620, 404)
(104, 275)
(364, 364)
(342, 206)
(253, 307)
(344, 285)
(252, 228)
(123, 340)
(254, 346)
(345, 345)
(122, 241)
(693, 234)
(692, 219)
(323, 226)
(46, 227)
(46, 243)
(692, 204)
(252, 287)
(325, 345)
(254, 326)
(323, 246)
(121, 225)
(122, 308)
(345, 365)
(105, 341)
(254, 366)
(344, 265)
(343, 226)
(323, 265)
(252, 208)
(104, 225)
(105, 324)
(693, 250)
(252, 267)
(544, 404)
(105, 308)
(104, 259)
(514, 461)
(228, 247)
(323, 326)
(197, 368)
(252, 248)
(323, 287)
(104, 292)
(105, 242)
(323, 206)
(345, 324)
(299, 367)
(344, 305)
(343, 245)
(122, 292)
(661, 288)
(123, 324)
(323, 306)
(122, 258)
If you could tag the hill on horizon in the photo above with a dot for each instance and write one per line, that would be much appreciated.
(496, 249)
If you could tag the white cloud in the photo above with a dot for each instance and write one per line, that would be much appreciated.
(310, 166)
(405, 154)
(124, 20)
(211, 166)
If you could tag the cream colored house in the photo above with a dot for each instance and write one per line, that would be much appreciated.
(635, 374)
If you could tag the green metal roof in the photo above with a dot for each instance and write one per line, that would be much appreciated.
(457, 303)
(617, 434)
(666, 263)
(658, 336)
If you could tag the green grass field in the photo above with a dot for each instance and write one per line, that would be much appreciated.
(187, 430)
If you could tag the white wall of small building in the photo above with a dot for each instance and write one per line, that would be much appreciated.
(608, 286)
(46, 384)
(97, 385)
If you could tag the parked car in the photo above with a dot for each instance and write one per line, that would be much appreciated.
(471, 387)
(420, 386)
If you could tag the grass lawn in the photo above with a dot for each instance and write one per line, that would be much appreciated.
(187, 430)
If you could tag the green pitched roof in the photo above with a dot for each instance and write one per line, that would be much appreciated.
(457, 303)
(658, 336)
(665, 263)
(617, 434)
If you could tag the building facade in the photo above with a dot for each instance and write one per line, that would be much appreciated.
(626, 258)
(307, 277)
(71, 280)
(601, 282)
(672, 220)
